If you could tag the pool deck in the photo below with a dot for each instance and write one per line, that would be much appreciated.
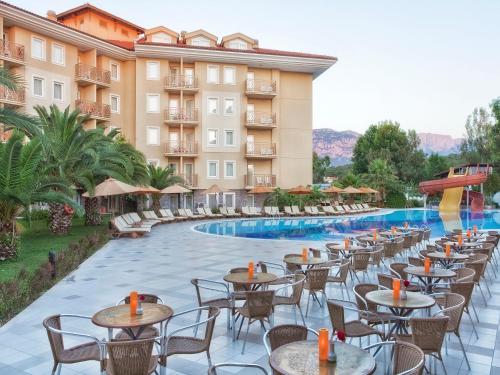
(163, 263)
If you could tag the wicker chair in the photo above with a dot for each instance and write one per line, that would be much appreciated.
(408, 359)
(341, 276)
(375, 317)
(478, 267)
(360, 261)
(428, 334)
(385, 280)
(266, 266)
(149, 331)
(398, 270)
(172, 344)
(316, 279)
(426, 235)
(258, 307)
(239, 289)
(333, 249)
(133, 357)
(297, 286)
(285, 334)
(89, 351)
(292, 268)
(464, 275)
(392, 248)
(376, 256)
(213, 369)
(416, 262)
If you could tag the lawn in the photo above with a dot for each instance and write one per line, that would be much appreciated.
(37, 241)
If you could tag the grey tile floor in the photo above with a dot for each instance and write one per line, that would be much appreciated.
(163, 263)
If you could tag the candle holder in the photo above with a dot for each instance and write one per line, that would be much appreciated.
(332, 356)
(139, 310)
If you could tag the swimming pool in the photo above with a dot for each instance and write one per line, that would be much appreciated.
(335, 228)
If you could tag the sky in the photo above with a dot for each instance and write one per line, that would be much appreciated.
(426, 64)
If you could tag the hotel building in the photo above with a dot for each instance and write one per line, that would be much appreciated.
(219, 110)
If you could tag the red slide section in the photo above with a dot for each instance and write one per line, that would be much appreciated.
(436, 186)
(476, 200)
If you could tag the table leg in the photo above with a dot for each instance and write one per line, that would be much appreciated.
(110, 334)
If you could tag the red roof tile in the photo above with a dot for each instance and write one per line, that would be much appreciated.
(122, 43)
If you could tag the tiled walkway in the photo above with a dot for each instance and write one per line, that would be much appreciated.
(163, 263)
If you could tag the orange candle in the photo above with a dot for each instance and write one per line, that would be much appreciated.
(346, 243)
(393, 229)
(251, 270)
(460, 240)
(133, 303)
(374, 235)
(468, 234)
(448, 250)
(396, 288)
(475, 229)
(304, 253)
(427, 265)
(323, 344)
(406, 225)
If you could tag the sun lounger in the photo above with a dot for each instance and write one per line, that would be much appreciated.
(326, 210)
(137, 219)
(254, 211)
(134, 221)
(276, 211)
(268, 211)
(309, 211)
(151, 215)
(246, 211)
(315, 210)
(122, 228)
(167, 212)
(232, 212)
(288, 211)
(366, 207)
(340, 210)
(296, 211)
(209, 213)
(224, 212)
(329, 210)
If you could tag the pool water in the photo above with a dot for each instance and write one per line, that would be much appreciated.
(335, 228)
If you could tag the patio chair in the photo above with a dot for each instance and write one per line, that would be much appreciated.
(285, 334)
(333, 248)
(376, 256)
(213, 369)
(407, 358)
(398, 270)
(340, 210)
(316, 279)
(292, 268)
(202, 213)
(137, 219)
(246, 211)
(276, 211)
(288, 211)
(360, 260)
(232, 212)
(375, 317)
(223, 212)
(297, 286)
(315, 211)
(148, 331)
(133, 357)
(92, 350)
(258, 307)
(341, 276)
(392, 248)
(385, 280)
(277, 269)
(254, 212)
(478, 266)
(416, 262)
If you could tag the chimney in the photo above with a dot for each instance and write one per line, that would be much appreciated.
(51, 15)
(182, 39)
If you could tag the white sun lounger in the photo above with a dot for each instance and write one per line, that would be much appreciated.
(151, 215)
(296, 211)
(209, 213)
(232, 212)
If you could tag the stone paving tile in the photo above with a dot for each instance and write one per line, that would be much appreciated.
(163, 263)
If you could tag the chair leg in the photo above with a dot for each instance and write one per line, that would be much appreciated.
(246, 336)
(474, 309)
(241, 325)
(198, 316)
(54, 368)
(463, 350)
(209, 359)
(302, 316)
(308, 299)
(482, 294)
(472, 322)
(59, 368)
(442, 364)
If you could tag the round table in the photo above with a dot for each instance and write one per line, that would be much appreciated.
(370, 240)
(301, 358)
(300, 261)
(465, 245)
(447, 261)
(400, 307)
(259, 278)
(429, 278)
(346, 253)
(120, 317)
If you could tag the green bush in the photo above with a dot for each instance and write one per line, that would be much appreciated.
(395, 199)
(412, 203)
(38, 214)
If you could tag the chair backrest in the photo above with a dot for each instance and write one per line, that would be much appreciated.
(336, 312)
(428, 333)
(182, 212)
(148, 298)
(315, 252)
(245, 210)
(285, 334)
(453, 307)
(209, 285)
(267, 210)
(231, 210)
(55, 339)
(427, 234)
(292, 268)
(478, 268)
(464, 288)
(360, 260)
(188, 212)
(317, 278)
(417, 262)
(397, 269)
(344, 270)
(130, 357)
(385, 280)
(201, 211)
(288, 210)
(238, 287)
(408, 359)
(119, 223)
(295, 209)
(464, 275)
(407, 241)
(376, 254)
(213, 369)
(360, 291)
(259, 303)
(298, 287)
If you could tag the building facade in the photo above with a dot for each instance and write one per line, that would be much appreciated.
(219, 112)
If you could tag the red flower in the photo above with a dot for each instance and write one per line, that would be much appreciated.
(406, 283)
(141, 298)
(341, 336)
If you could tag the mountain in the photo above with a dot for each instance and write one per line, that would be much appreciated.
(338, 145)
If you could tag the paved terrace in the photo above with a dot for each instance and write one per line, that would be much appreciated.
(163, 263)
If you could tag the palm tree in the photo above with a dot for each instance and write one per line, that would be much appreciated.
(160, 178)
(315, 196)
(381, 176)
(22, 184)
(280, 198)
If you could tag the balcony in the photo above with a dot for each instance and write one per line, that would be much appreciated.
(12, 52)
(97, 111)
(254, 180)
(190, 180)
(87, 75)
(174, 116)
(175, 148)
(260, 89)
(178, 83)
(260, 150)
(260, 120)
(11, 97)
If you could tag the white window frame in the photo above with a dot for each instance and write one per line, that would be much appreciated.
(234, 107)
(240, 44)
(200, 41)
(155, 162)
(217, 68)
(62, 91)
(226, 162)
(148, 77)
(225, 137)
(147, 103)
(63, 49)
(147, 136)
(216, 170)
(216, 137)
(224, 198)
(224, 75)
(216, 107)
(163, 36)
(44, 48)
(111, 96)
(33, 86)
(111, 63)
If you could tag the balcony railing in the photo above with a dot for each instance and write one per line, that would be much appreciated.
(181, 82)
(261, 150)
(181, 148)
(268, 180)
(9, 96)
(11, 51)
(93, 109)
(92, 74)
(259, 119)
(190, 179)
(179, 115)
(261, 87)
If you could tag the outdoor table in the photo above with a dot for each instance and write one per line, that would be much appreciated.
(259, 279)
(309, 262)
(447, 261)
(388, 233)
(369, 240)
(302, 358)
(426, 278)
(347, 253)
(399, 307)
(133, 325)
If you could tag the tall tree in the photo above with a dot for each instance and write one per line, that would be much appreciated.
(475, 147)
(160, 178)
(320, 166)
(435, 164)
(381, 176)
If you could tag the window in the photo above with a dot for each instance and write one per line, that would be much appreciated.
(229, 75)
(212, 169)
(229, 169)
(155, 162)
(58, 54)
(153, 103)
(153, 135)
(229, 199)
(213, 104)
(229, 137)
(153, 70)
(228, 106)
(200, 41)
(161, 38)
(115, 71)
(38, 86)
(212, 74)
(37, 48)
(115, 103)
(57, 93)
(238, 44)
(212, 137)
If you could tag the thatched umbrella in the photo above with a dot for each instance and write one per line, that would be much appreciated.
(261, 190)
(351, 191)
(300, 190)
(215, 189)
(110, 187)
(332, 190)
(176, 189)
